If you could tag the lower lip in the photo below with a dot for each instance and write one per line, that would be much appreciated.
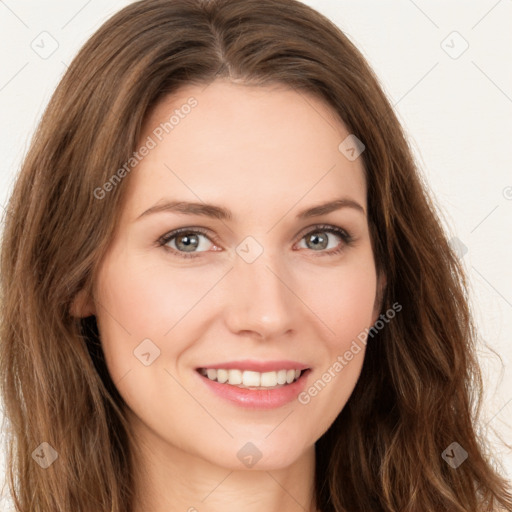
(258, 398)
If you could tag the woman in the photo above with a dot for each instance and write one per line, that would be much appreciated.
(170, 339)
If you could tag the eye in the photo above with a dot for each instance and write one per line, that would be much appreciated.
(185, 241)
(322, 242)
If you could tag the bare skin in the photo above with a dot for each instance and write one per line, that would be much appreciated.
(265, 154)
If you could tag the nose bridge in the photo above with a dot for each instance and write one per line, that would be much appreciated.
(259, 298)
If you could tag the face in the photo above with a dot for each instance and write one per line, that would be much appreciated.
(264, 288)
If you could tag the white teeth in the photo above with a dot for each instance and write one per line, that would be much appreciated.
(269, 379)
(251, 379)
(234, 377)
(222, 376)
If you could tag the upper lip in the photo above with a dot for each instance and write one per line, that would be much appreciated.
(257, 366)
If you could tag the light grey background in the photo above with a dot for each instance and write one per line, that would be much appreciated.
(445, 67)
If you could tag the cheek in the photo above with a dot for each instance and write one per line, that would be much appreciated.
(134, 304)
(343, 300)
(144, 295)
(351, 307)
(138, 301)
(141, 299)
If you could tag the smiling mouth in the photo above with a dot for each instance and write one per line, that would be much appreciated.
(247, 379)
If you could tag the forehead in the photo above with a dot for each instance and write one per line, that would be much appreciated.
(246, 147)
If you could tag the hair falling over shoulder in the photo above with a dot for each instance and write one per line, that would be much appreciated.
(420, 387)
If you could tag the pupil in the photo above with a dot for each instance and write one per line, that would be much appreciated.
(322, 239)
(189, 245)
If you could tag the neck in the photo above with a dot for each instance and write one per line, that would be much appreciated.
(168, 479)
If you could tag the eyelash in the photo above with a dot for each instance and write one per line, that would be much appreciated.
(344, 235)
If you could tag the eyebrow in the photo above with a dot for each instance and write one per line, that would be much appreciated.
(218, 212)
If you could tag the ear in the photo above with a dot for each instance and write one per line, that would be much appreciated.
(379, 297)
(83, 304)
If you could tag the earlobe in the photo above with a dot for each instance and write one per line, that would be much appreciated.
(83, 305)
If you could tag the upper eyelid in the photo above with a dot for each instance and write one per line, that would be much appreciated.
(166, 238)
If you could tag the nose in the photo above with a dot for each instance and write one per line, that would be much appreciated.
(260, 298)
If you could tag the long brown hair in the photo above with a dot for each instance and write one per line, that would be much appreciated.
(420, 387)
